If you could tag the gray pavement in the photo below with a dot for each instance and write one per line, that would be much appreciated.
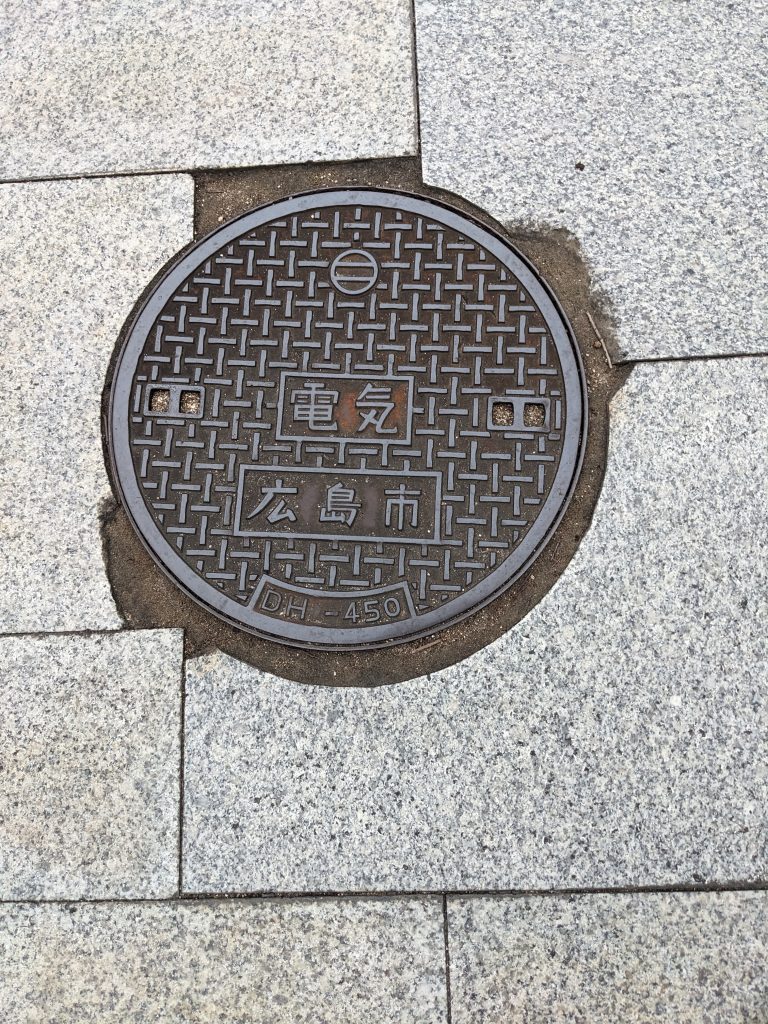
(638, 128)
(615, 737)
(603, 959)
(613, 740)
(76, 256)
(90, 734)
(273, 962)
(157, 85)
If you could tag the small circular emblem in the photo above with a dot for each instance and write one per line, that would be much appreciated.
(354, 271)
(338, 473)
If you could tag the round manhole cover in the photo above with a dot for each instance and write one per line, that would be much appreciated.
(347, 419)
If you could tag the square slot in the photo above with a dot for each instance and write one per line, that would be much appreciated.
(534, 414)
(503, 414)
(189, 403)
(160, 400)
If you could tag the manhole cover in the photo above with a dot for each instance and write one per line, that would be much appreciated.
(347, 419)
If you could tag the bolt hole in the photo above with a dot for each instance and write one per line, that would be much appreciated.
(160, 400)
(533, 415)
(502, 414)
(190, 402)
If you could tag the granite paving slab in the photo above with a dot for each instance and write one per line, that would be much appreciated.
(691, 958)
(616, 736)
(229, 962)
(89, 765)
(75, 257)
(148, 85)
(639, 128)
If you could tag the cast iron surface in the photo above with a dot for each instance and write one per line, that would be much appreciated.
(347, 419)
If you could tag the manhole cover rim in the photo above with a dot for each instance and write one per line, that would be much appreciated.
(148, 307)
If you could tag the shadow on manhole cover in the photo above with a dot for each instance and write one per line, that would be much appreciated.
(346, 421)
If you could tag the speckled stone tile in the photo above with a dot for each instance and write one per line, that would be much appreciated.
(639, 128)
(616, 736)
(691, 958)
(75, 257)
(228, 962)
(89, 765)
(179, 84)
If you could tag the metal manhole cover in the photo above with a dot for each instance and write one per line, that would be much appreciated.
(348, 418)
